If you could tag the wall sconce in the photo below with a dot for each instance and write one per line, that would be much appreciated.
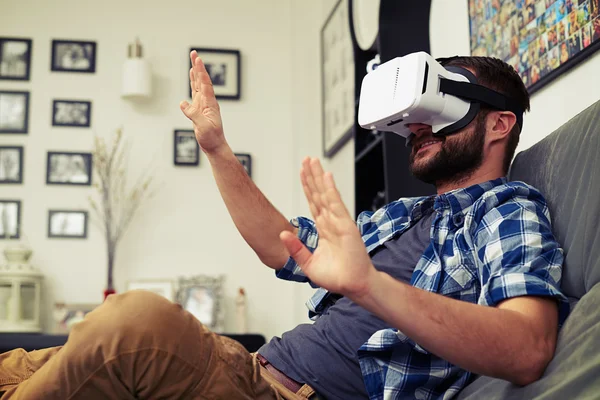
(137, 76)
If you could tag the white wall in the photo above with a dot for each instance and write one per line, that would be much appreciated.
(552, 106)
(184, 229)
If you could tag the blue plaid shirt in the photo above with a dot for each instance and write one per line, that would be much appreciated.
(489, 242)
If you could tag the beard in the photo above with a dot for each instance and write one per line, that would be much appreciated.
(460, 155)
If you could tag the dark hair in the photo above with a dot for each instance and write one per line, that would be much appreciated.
(495, 74)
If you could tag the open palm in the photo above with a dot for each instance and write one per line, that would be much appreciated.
(340, 263)
(204, 111)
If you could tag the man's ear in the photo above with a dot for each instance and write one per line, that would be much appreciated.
(499, 124)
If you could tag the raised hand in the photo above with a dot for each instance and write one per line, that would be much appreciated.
(204, 110)
(340, 263)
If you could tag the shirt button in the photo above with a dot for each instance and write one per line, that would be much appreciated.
(458, 219)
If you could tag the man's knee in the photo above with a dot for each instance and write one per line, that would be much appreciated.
(135, 314)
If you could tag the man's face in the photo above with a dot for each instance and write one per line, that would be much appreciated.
(449, 158)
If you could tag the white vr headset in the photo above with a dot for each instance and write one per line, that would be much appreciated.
(416, 88)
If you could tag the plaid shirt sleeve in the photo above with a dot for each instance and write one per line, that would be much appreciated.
(518, 252)
(307, 233)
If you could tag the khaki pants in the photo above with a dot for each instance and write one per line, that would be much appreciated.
(138, 345)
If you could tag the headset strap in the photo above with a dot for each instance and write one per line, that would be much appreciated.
(475, 92)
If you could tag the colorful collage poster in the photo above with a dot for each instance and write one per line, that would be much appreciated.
(539, 38)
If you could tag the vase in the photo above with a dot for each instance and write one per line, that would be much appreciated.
(108, 292)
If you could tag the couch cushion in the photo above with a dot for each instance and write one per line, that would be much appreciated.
(565, 167)
(573, 372)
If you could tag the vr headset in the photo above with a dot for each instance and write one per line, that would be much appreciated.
(416, 88)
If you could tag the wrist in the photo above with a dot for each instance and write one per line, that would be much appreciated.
(219, 151)
(371, 281)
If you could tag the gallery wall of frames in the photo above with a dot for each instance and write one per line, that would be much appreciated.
(67, 167)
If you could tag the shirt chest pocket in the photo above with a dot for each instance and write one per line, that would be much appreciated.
(459, 282)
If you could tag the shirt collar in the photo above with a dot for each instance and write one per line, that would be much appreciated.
(459, 200)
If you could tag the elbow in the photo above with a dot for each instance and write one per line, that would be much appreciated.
(534, 366)
(275, 262)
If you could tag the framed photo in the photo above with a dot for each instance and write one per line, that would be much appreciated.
(69, 224)
(202, 296)
(15, 58)
(224, 67)
(73, 56)
(67, 168)
(337, 73)
(65, 316)
(71, 113)
(11, 164)
(185, 148)
(246, 160)
(14, 112)
(10, 219)
(541, 39)
(163, 288)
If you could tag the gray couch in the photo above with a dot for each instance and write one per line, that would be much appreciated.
(565, 167)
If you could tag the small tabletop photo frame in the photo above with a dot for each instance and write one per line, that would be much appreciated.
(202, 296)
(162, 287)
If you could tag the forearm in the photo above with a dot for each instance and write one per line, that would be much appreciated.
(488, 341)
(255, 217)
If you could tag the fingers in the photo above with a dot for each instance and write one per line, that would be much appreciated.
(320, 190)
(307, 193)
(204, 84)
(317, 173)
(310, 188)
(294, 246)
(183, 106)
(333, 197)
(193, 56)
(193, 83)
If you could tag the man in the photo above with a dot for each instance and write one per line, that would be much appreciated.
(449, 286)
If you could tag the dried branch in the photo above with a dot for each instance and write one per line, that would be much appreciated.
(118, 202)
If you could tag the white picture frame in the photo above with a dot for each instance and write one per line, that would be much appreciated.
(162, 287)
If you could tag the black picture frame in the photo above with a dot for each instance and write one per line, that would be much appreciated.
(57, 120)
(246, 161)
(17, 234)
(184, 143)
(338, 84)
(54, 213)
(4, 165)
(86, 163)
(85, 63)
(24, 57)
(541, 39)
(24, 129)
(226, 59)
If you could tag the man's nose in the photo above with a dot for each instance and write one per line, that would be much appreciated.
(417, 129)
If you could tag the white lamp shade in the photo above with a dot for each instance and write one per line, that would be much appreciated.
(137, 79)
